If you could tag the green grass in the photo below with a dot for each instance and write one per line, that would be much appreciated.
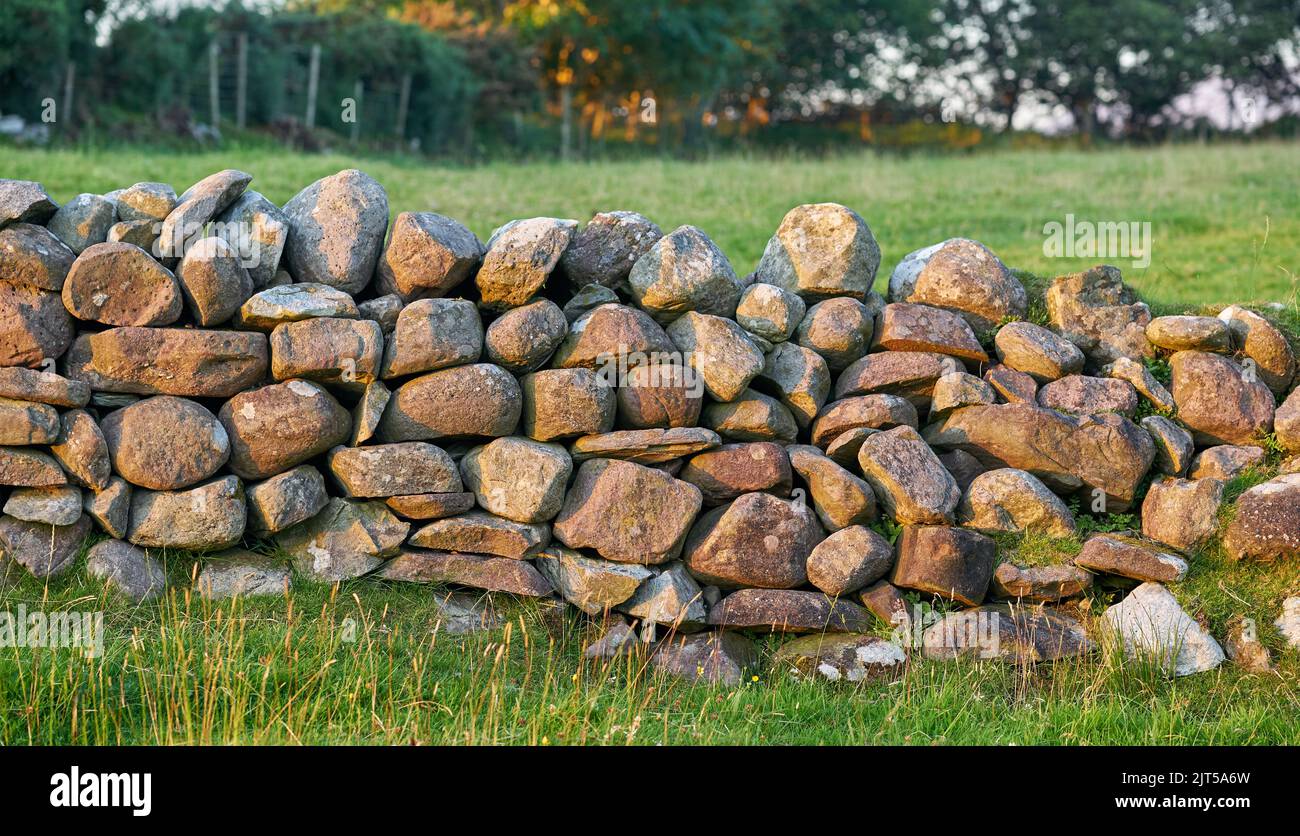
(185, 671)
(364, 662)
(1225, 219)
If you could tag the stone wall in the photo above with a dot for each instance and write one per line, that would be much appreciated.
(609, 415)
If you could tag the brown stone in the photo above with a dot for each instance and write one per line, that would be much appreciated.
(788, 611)
(564, 403)
(954, 563)
(906, 327)
(1039, 584)
(42, 387)
(911, 483)
(660, 395)
(46, 551)
(726, 472)
(877, 412)
(481, 571)
(430, 506)
(627, 512)
(285, 500)
(471, 401)
(840, 498)
(612, 333)
(644, 446)
(1182, 513)
(273, 428)
(427, 255)
(165, 443)
(1218, 400)
(909, 374)
(27, 467)
(751, 417)
(848, 560)
(520, 257)
(169, 361)
(121, 284)
(522, 339)
(342, 352)
(1130, 558)
(34, 256)
(963, 276)
(34, 325)
(757, 540)
(384, 470)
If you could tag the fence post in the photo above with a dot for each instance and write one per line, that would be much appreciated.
(69, 85)
(313, 76)
(357, 90)
(566, 122)
(241, 84)
(403, 102)
(214, 86)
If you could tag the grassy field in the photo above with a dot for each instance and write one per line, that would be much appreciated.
(365, 662)
(1225, 220)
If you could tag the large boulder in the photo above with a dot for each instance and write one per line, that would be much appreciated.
(121, 284)
(963, 276)
(276, 427)
(1151, 625)
(788, 611)
(954, 563)
(684, 271)
(344, 353)
(347, 539)
(336, 230)
(24, 202)
(1266, 524)
(719, 351)
(752, 416)
(522, 339)
(1127, 557)
(715, 658)
(520, 257)
(592, 585)
(384, 470)
(799, 377)
(1182, 513)
(821, 250)
(1264, 346)
(875, 412)
(165, 443)
(848, 560)
(1007, 499)
(285, 500)
(613, 334)
(1018, 634)
(82, 450)
(771, 312)
(208, 517)
(841, 657)
(1221, 402)
(131, 572)
(471, 401)
(293, 302)
(427, 255)
(44, 550)
(185, 362)
(22, 384)
(258, 231)
(34, 325)
(1189, 333)
(518, 478)
(432, 334)
(726, 472)
(478, 532)
(1082, 395)
(604, 251)
(660, 395)
(34, 256)
(1096, 311)
(756, 541)
(202, 202)
(839, 497)
(910, 482)
(480, 571)
(908, 374)
(214, 281)
(1105, 452)
(907, 327)
(28, 423)
(627, 512)
(1033, 349)
(564, 403)
(83, 221)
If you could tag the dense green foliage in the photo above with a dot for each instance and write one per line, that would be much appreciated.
(531, 75)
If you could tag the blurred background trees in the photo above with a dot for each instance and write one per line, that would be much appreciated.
(485, 78)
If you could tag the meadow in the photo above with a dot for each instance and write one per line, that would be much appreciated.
(367, 662)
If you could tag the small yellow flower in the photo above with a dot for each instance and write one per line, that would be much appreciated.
(754, 678)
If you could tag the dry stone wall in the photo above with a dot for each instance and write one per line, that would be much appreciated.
(608, 414)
